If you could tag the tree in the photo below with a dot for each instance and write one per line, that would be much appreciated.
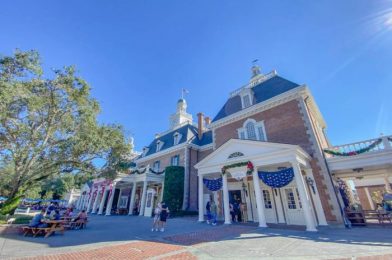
(48, 126)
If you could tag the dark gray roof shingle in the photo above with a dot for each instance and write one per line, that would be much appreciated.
(262, 92)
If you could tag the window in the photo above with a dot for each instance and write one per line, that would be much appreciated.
(252, 130)
(267, 199)
(157, 165)
(299, 199)
(177, 138)
(145, 151)
(290, 199)
(175, 160)
(159, 145)
(246, 101)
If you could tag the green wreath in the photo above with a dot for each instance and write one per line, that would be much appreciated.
(157, 172)
(363, 150)
(138, 172)
(249, 165)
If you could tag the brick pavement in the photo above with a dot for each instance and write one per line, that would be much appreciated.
(213, 234)
(135, 250)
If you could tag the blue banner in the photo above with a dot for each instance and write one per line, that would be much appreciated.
(277, 179)
(213, 185)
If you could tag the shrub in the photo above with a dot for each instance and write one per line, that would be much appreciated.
(173, 193)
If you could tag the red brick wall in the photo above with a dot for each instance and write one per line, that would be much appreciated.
(363, 197)
(284, 124)
(195, 156)
(165, 159)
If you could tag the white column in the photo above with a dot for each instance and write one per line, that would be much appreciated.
(162, 190)
(387, 184)
(201, 199)
(132, 201)
(144, 192)
(316, 199)
(278, 203)
(371, 203)
(119, 197)
(90, 200)
(110, 201)
(97, 200)
(259, 200)
(226, 206)
(304, 196)
(104, 196)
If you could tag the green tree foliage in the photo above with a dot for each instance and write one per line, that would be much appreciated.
(173, 193)
(48, 126)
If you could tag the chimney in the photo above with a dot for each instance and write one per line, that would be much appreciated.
(200, 123)
(207, 120)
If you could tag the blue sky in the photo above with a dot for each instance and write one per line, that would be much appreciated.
(137, 55)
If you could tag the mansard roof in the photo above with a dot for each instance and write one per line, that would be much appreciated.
(263, 91)
(187, 132)
(206, 139)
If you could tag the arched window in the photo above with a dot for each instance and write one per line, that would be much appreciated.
(250, 130)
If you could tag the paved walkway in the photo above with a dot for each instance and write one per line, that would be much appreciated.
(129, 237)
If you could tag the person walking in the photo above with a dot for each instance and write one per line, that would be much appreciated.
(208, 210)
(157, 212)
(213, 212)
(163, 215)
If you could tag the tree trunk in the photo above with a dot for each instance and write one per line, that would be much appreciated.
(11, 204)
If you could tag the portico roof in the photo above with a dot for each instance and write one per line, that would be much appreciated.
(258, 152)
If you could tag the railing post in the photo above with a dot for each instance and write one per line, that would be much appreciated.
(386, 143)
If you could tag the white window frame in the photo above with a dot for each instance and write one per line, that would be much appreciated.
(243, 131)
(145, 151)
(157, 166)
(159, 145)
(243, 94)
(176, 138)
(175, 158)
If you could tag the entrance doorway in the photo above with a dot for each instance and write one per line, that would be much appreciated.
(292, 206)
(235, 199)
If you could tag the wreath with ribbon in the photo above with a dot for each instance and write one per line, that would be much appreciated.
(248, 164)
(362, 150)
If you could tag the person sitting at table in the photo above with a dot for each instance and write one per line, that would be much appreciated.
(68, 212)
(81, 216)
(37, 222)
(56, 215)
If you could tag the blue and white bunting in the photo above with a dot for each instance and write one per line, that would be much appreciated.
(277, 179)
(213, 185)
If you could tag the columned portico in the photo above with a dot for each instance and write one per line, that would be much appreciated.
(104, 196)
(261, 196)
(132, 201)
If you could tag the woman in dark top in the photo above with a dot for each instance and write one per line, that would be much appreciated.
(163, 215)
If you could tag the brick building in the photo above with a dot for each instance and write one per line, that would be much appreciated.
(269, 137)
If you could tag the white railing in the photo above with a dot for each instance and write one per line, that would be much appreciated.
(253, 83)
(380, 144)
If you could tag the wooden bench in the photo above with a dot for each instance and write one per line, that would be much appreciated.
(379, 215)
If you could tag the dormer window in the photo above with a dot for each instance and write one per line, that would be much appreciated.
(159, 145)
(246, 101)
(145, 151)
(246, 97)
(177, 138)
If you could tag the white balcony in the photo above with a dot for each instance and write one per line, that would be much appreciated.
(370, 157)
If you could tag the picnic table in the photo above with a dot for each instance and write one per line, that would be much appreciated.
(53, 226)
